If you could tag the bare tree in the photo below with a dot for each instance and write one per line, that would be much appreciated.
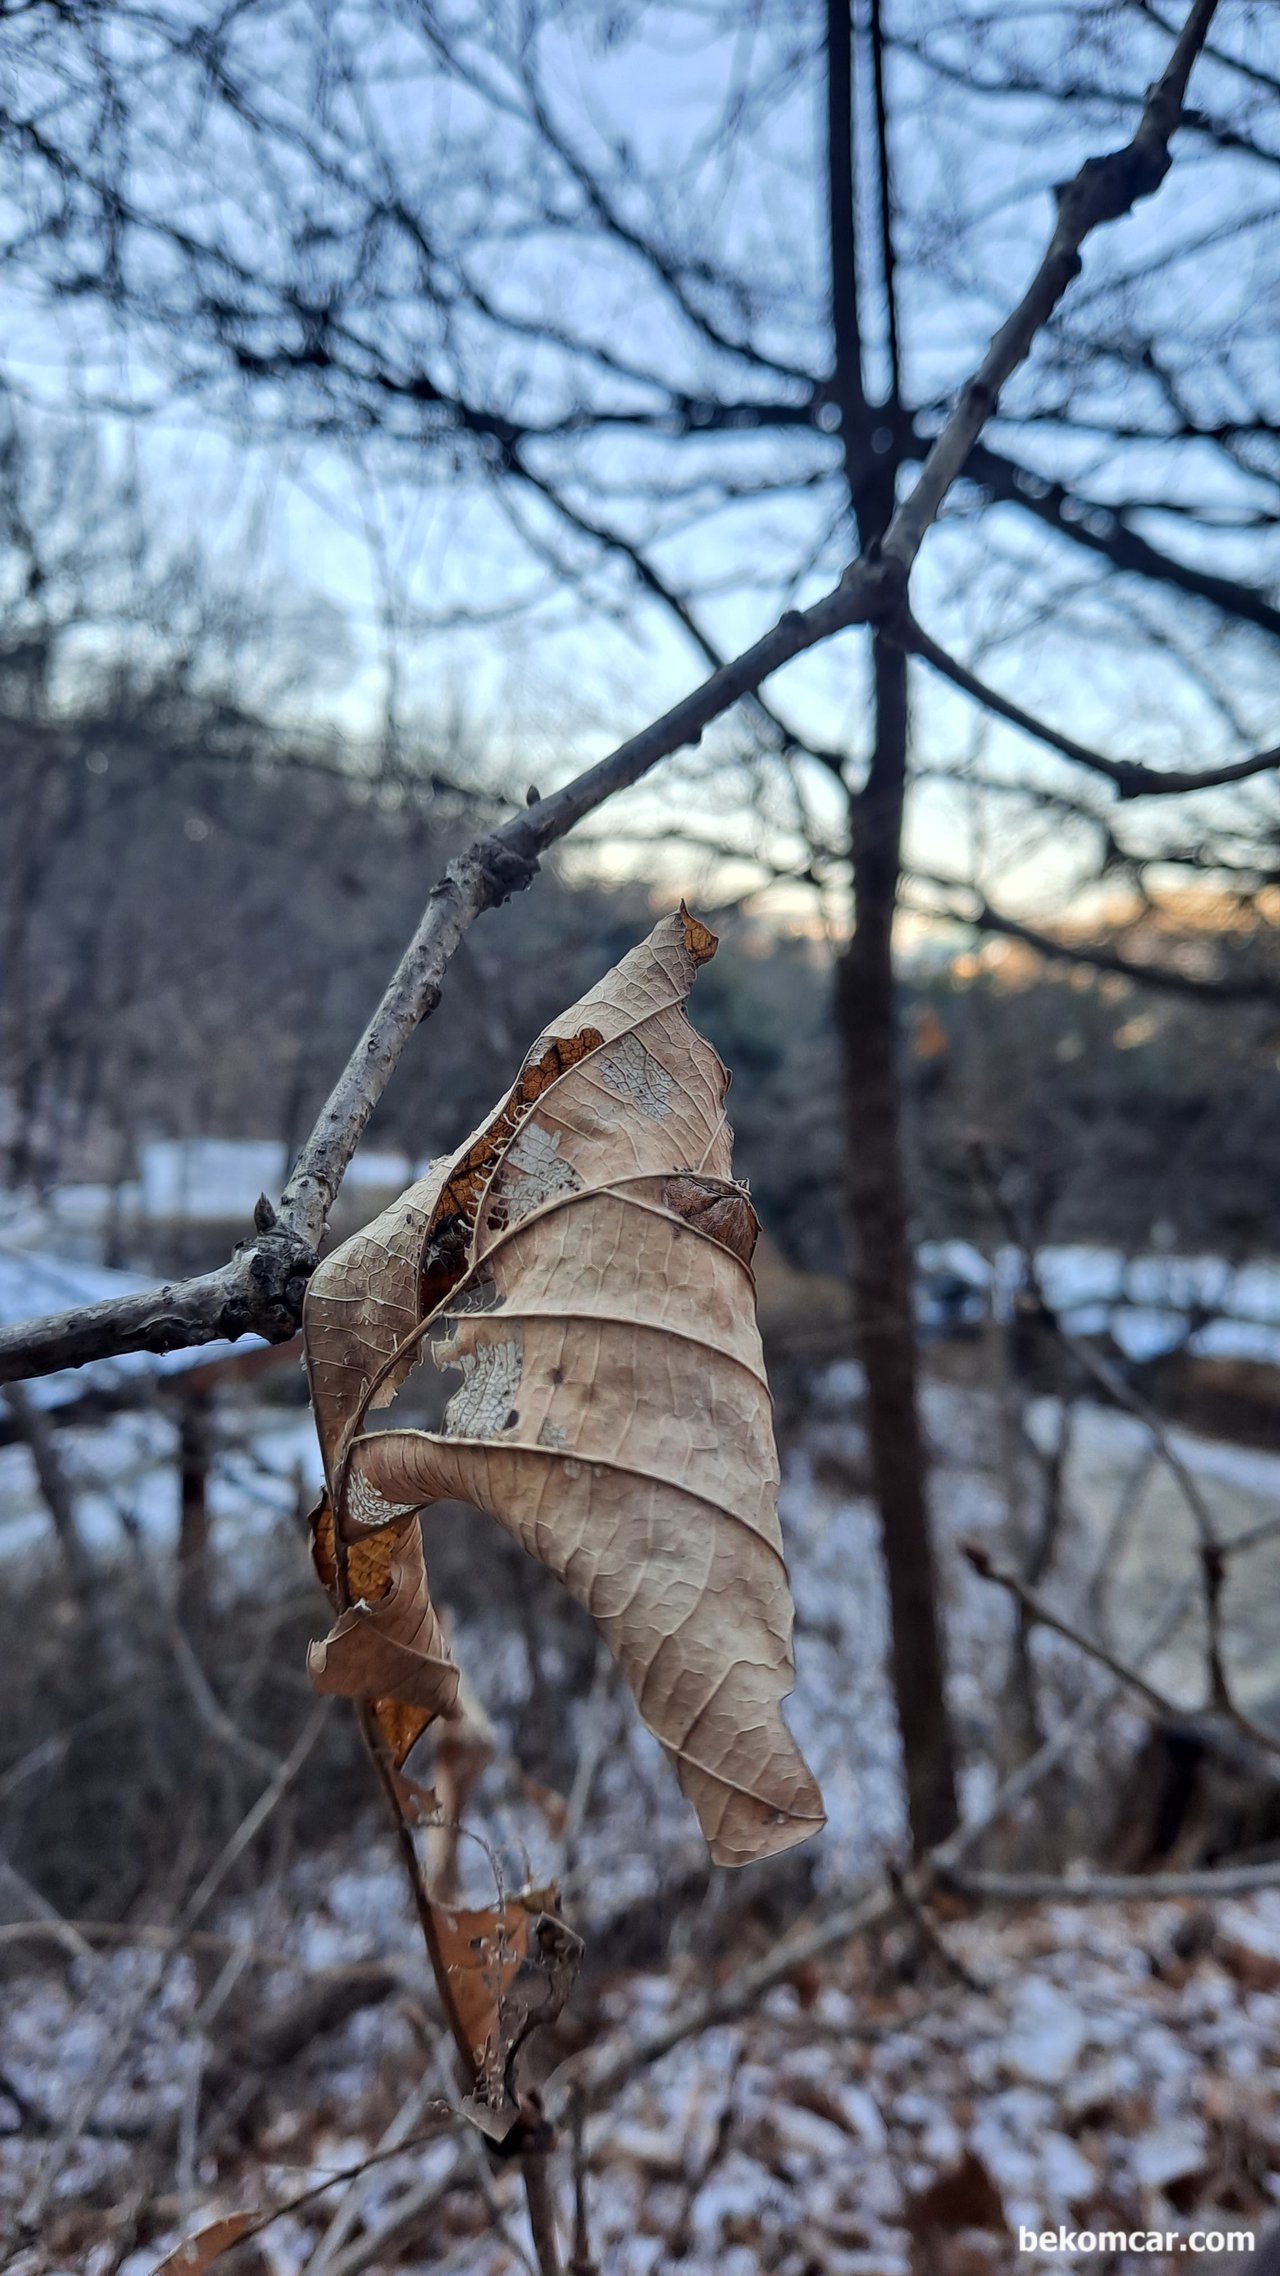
(299, 314)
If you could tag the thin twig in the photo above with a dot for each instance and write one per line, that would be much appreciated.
(31, 1425)
(581, 2262)
(1114, 1888)
(1103, 190)
(540, 2203)
(1043, 1613)
(34, 2206)
(443, 2120)
(976, 910)
(402, 2130)
(1130, 777)
(873, 1900)
(68, 1935)
(931, 1936)
(140, 1936)
(1212, 1552)
(595, 1740)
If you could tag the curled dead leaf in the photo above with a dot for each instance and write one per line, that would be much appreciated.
(585, 1258)
(502, 1971)
(390, 1629)
(392, 1648)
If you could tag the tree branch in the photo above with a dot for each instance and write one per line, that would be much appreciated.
(1104, 190)
(884, 191)
(261, 1288)
(1114, 1888)
(1131, 777)
(1102, 530)
(1250, 989)
(1042, 1612)
(847, 386)
(875, 1897)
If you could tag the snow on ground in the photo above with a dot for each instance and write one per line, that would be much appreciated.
(1149, 1304)
(266, 1461)
(1086, 2075)
(124, 1473)
(1093, 2075)
(185, 1181)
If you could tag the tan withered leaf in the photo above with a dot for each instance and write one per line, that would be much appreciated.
(587, 1255)
(501, 1971)
(356, 1319)
(362, 1306)
(200, 2251)
(388, 1646)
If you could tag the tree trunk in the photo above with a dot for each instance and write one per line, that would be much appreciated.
(883, 1272)
(32, 1426)
(193, 1518)
(866, 998)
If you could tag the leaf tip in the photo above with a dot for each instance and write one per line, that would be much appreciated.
(700, 942)
(767, 1836)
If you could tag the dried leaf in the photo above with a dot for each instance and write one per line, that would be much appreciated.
(386, 1582)
(357, 1317)
(200, 2251)
(391, 1649)
(588, 1258)
(502, 1971)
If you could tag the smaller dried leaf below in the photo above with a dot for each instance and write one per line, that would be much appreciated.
(392, 1649)
(502, 1970)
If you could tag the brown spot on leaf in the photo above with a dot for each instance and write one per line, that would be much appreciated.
(724, 1214)
(700, 942)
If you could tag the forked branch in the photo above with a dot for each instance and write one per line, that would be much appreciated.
(1132, 778)
(260, 1290)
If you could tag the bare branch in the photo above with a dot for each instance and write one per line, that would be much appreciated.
(259, 1292)
(1131, 777)
(31, 1424)
(847, 383)
(884, 200)
(1043, 1613)
(261, 1288)
(1114, 1888)
(387, 1976)
(874, 1898)
(1102, 530)
(1249, 988)
(1104, 190)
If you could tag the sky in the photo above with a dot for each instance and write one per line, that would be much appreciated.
(423, 590)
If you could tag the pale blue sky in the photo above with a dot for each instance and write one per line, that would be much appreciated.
(547, 680)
